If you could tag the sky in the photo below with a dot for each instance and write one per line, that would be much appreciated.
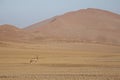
(23, 13)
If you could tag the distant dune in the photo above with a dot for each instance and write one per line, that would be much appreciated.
(85, 25)
(12, 33)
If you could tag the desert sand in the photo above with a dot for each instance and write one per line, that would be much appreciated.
(79, 45)
(60, 61)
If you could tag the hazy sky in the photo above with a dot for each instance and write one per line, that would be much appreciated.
(22, 13)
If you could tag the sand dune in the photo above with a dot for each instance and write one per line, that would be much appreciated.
(12, 33)
(87, 25)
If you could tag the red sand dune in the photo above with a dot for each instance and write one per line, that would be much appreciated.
(86, 25)
(12, 33)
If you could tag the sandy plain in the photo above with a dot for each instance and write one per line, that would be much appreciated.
(59, 61)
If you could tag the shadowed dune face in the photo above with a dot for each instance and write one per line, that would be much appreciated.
(87, 25)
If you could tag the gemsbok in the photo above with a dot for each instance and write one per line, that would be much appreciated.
(34, 60)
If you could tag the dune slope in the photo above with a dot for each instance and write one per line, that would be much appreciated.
(86, 25)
